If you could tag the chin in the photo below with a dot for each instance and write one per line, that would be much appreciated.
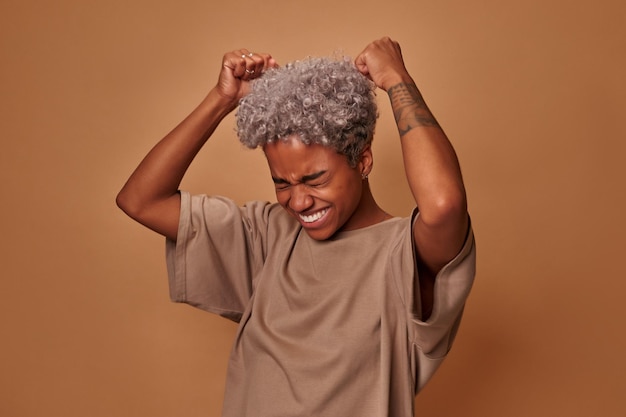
(319, 234)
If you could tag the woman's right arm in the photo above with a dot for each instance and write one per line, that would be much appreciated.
(150, 196)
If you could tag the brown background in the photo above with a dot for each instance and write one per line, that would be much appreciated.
(531, 93)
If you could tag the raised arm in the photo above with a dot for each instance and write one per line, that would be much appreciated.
(431, 165)
(150, 196)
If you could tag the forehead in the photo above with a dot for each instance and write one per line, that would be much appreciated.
(291, 157)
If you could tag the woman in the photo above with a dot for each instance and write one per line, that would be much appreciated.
(342, 308)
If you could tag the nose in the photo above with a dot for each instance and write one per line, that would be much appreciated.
(300, 199)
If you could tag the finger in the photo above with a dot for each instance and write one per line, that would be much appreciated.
(258, 63)
(248, 63)
(245, 64)
(254, 64)
(361, 65)
(236, 63)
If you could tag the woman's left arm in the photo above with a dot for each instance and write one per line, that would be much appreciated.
(430, 162)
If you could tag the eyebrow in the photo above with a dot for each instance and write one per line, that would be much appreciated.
(304, 179)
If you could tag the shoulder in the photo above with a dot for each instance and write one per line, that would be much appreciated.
(389, 230)
(256, 216)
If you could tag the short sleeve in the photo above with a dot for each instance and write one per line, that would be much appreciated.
(432, 339)
(219, 249)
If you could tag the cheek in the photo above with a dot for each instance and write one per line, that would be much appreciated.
(350, 195)
(350, 187)
(282, 197)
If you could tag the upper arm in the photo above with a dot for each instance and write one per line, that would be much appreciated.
(162, 216)
(438, 242)
(435, 246)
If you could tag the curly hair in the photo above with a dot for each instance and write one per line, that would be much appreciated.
(321, 100)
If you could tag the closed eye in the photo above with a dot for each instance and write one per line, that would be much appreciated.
(311, 180)
(280, 183)
(316, 184)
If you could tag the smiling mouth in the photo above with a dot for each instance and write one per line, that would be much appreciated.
(313, 217)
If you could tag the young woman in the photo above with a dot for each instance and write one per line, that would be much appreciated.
(343, 310)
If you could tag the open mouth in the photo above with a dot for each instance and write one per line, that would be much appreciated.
(310, 218)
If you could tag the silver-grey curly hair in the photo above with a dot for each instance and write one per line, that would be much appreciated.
(321, 100)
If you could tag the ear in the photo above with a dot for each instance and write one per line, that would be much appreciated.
(366, 162)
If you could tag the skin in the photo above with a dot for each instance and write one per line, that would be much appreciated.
(431, 166)
(314, 181)
(151, 196)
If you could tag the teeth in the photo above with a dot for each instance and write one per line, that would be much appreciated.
(313, 217)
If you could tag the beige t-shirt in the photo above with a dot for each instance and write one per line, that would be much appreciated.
(326, 328)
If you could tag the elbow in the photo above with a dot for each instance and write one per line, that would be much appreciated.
(121, 201)
(445, 208)
(128, 204)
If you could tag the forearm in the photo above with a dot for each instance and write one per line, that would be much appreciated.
(155, 181)
(431, 164)
(434, 176)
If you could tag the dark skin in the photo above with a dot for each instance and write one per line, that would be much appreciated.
(151, 197)
(318, 187)
(430, 163)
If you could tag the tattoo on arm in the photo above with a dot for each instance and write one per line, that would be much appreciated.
(409, 108)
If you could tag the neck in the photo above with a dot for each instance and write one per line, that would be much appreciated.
(368, 212)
